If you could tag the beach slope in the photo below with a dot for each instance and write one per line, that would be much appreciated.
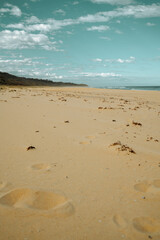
(79, 164)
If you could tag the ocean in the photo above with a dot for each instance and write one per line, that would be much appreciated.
(146, 88)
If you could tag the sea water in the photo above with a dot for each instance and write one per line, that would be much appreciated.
(147, 88)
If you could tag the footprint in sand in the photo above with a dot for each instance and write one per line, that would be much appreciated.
(2, 185)
(41, 166)
(38, 202)
(91, 137)
(119, 221)
(85, 142)
(142, 187)
(145, 186)
(146, 224)
(156, 183)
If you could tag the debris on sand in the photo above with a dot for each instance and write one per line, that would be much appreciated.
(105, 108)
(126, 148)
(116, 143)
(151, 138)
(136, 123)
(122, 147)
(30, 148)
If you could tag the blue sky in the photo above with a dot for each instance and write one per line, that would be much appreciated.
(98, 42)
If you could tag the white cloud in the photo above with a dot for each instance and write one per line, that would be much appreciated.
(34, 24)
(69, 32)
(26, 5)
(34, 0)
(91, 74)
(118, 32)
(60, 11)
(137, 11)
(16, 26)
(105, 38)
(48, 25)
(150, 24)
(114, 2)
(75, 3)
(39, 27)
(23, 40)
(11, 9)
(58, 24)
(120, 60)
(19, 62)
(130, 60)
(21, 66)
(97, 60)
(98, 17)
(140, 11)
(39, 73)
(100, 28)
(53, 75)
(33, 19)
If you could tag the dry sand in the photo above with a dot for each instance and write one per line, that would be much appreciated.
(79, 164)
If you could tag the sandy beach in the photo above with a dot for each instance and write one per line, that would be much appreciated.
(79, 164)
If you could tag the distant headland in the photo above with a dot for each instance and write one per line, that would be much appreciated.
(12, 80)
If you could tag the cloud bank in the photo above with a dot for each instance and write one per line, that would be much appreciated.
(114, 2)
(23, 40)
(11, 9)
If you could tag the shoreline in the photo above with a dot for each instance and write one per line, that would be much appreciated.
(129, 88)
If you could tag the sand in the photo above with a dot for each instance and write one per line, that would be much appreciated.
(79, 164)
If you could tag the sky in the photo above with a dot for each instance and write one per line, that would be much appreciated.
(98, 42)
